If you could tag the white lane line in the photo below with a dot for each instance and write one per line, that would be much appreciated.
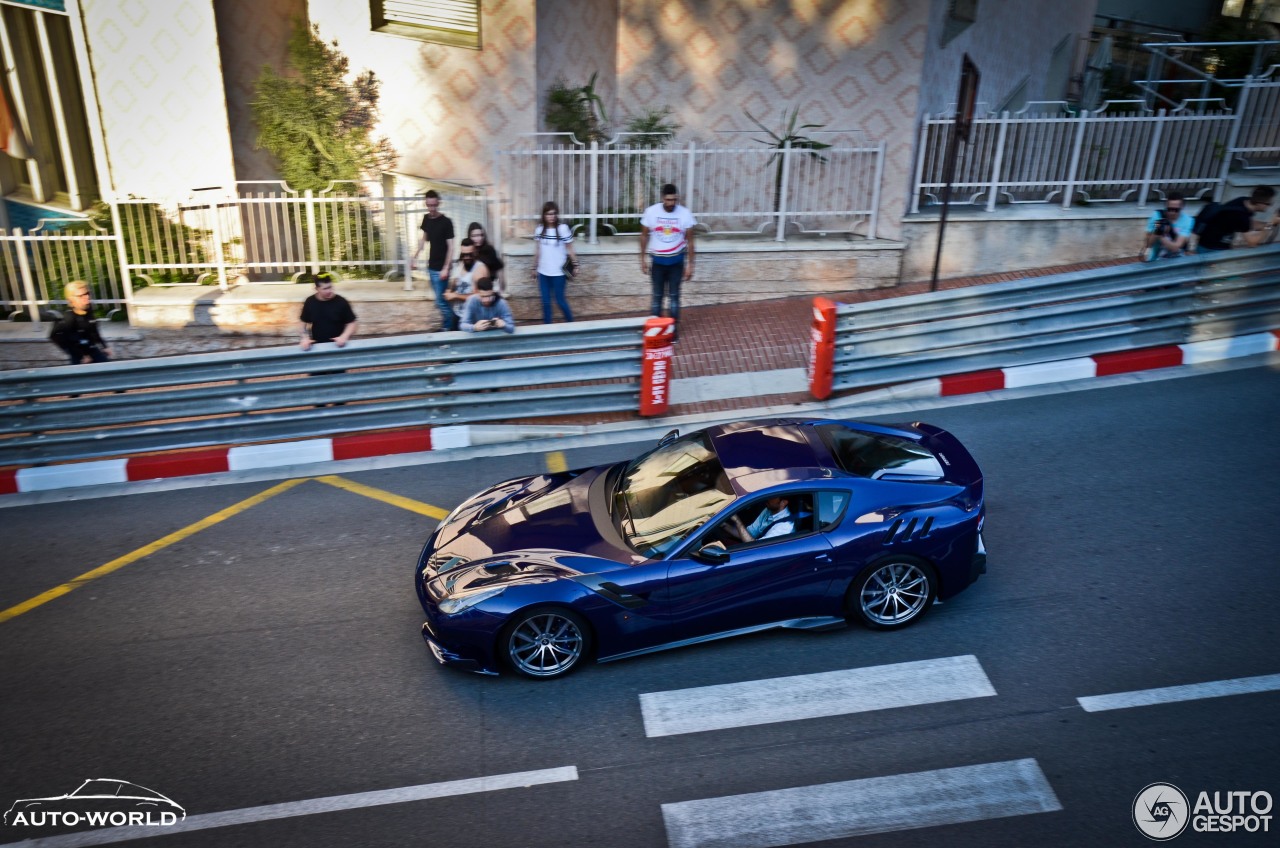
(860, 807)
(828, 693)
(515, 780)
(1173, 694)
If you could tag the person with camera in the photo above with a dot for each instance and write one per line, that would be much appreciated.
(1168, 230)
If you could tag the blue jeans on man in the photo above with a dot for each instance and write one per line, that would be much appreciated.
(448, 319)
(666, 275)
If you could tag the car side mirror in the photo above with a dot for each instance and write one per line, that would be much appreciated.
(669, 438)
(713, 554)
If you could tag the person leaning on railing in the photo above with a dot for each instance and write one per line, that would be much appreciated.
(487, 310)
(1237, 217)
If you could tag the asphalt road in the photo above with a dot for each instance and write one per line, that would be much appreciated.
(274, 656)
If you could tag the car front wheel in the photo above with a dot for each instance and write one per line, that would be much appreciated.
(892, 593)
(545, 643)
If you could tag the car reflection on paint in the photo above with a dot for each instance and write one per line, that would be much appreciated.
(539, 573)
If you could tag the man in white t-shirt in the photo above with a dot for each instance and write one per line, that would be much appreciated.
(666, 249)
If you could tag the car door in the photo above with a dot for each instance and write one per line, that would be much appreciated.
(763, 581)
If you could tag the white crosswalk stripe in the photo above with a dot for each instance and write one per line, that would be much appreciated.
(1173, 694)
(860, 807)
(813, 695)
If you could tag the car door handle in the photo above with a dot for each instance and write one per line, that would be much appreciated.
(824, 557)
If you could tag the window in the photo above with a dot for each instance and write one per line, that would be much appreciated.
(452, 22)
(961, 14)
(874, 455)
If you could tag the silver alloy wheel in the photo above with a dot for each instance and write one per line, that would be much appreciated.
(545, 645)
(894, 594)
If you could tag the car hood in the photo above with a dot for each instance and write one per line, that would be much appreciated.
(516, 567)
(562, 512)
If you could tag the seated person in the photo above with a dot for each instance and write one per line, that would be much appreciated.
(1168, 230)
(776, 519)
(486, 310)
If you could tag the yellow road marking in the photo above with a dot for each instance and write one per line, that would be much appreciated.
(556, 462)
(147, 550)
(386, 497)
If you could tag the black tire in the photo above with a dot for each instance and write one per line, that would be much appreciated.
(545, 642)
(892, 593)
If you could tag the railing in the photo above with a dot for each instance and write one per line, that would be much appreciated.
(605, 187)
(1045, 154)
(78, 412)
(1043, 319)
(263, 231)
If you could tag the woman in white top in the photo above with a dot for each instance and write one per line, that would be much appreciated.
(462, 285)
(552, 243)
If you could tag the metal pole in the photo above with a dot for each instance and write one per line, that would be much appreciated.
(922, 150)
(24, 270)
(123, 256)
(998, 161)
(220, 258)
(1074, 168)
(949, 174)
(1150, 167)
(1233, 138)
(593, 213)
(875, 192)
(313, 245)
(781, 235)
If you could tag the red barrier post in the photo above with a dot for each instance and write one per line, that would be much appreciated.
(655, 372)
(822, 348)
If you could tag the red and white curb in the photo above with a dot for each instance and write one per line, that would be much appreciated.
(1100, 365)
(243, 458)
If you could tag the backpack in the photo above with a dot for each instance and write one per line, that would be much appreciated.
(1206, 214)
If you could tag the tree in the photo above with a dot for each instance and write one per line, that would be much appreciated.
(316, 123)
(790, 135)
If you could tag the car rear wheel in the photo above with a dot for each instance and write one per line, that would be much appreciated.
(892, 593)
(547, 642)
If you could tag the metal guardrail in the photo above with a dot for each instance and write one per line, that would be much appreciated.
(1022, 322)
(83, 411)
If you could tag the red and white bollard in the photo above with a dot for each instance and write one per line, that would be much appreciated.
(655, 372)
(822, 348)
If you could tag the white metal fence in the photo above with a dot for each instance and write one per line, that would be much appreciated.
(260, 232)
(1258, 145)
(604, 187)
(1044, 154)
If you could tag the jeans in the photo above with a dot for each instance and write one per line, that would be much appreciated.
(550, 287)
(92, 351)
(666, 278)
(448, 320)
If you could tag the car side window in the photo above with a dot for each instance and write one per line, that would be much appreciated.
(831, 507)
(764, 520)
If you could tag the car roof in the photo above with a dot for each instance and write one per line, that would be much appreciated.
(762, 453)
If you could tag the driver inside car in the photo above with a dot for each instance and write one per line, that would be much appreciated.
(774, 520)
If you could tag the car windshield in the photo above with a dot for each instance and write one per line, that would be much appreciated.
(670, 492)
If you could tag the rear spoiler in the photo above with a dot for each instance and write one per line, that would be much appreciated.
(958, 465)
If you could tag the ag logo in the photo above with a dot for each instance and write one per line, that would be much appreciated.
(1160, 811)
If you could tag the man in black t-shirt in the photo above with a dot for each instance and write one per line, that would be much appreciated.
(1237, 217)
(76, 332)
(326, 316)
(437, 231)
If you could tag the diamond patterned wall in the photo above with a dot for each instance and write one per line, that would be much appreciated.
(848, 64)
(1007, 44)
(577, 38)
(159, 84)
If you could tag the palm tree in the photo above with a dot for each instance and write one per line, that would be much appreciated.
(790, 136)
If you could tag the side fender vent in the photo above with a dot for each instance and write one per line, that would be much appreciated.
(905, 530)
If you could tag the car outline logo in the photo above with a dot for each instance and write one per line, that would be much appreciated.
(151, 801)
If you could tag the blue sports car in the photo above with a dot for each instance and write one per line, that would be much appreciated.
(729, 530)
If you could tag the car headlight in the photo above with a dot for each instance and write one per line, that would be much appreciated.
(452, 606)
